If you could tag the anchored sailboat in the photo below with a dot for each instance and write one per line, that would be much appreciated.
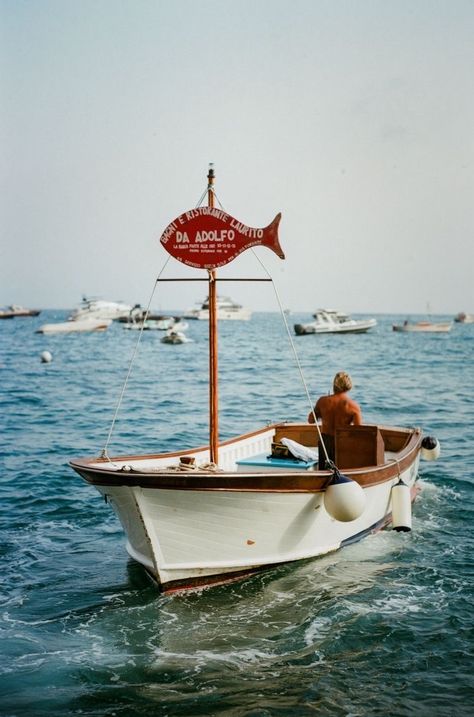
(207, 515)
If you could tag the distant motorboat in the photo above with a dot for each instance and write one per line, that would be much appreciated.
(75, 326)
(330, 321)
(13, 311)
(424, 326)
(463, 318)
(154, 323)
(138, 313)
(226, 310)
(101, 309)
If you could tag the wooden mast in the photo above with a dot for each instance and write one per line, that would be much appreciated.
(213, 357)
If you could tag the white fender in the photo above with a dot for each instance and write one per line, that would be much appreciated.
(344, 499)
(401, 506)
(46, 357)
(430, 448)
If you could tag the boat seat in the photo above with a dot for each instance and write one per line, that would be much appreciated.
(304, 433)
(358, 447)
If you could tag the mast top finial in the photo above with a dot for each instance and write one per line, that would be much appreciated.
(211, 171)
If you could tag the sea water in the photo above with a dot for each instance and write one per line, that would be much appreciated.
(382, 627)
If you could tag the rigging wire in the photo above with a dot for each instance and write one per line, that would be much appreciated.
(204, 194)
(295, 353)
(290, 339)
(104, 453)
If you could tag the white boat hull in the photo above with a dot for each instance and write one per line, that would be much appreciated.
(227, 310)
(192, 529)
(79, 326)
(424, 327)
(222, 315)
(236, 532)
(101, 309)
(352, 326)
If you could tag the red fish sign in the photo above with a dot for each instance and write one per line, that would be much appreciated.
(207, 237)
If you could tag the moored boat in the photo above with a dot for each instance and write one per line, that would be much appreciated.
(101, 309)
(159, 324)
(463, 318)
(142, 320)
(424, 326)
(329, 321)
(202, 516)
(227, 309)
(14, 311)
(75, 326)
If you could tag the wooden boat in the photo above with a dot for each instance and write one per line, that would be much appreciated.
(426, 326)
(328, 321)
(202, 516)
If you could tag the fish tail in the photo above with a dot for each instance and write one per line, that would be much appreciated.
(271, 240)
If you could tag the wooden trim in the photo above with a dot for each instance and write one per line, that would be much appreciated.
(279, 482)
(173, 454)
(250, 481)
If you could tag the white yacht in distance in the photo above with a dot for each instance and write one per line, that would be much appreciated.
(226, 309)
(73, 326)
(329, 321)
(100, 309)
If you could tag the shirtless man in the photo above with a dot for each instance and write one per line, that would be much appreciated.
(335, 411)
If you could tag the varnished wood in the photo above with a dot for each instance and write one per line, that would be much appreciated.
(213, 349)
(282, 481)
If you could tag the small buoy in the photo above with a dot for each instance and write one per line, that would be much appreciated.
(401, 507)
(430, 448)
(344, 499)
(46, 357)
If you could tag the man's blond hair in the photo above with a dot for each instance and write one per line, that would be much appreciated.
(342, 382)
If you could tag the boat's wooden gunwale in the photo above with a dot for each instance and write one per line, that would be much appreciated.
(172, 454)
(87, 461)
(250, 481)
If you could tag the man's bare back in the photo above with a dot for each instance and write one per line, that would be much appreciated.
(336, 411)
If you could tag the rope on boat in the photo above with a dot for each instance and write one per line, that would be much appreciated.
(298, 363)
(204, 194)
(180, 468)
(104, 453)
(208, 466)
(330, 463)
(395, 460)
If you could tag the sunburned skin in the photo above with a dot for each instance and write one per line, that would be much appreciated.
(336, 411)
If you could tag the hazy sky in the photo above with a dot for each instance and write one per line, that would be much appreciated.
(355, 119)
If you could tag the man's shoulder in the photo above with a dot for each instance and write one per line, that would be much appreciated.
(323, 399)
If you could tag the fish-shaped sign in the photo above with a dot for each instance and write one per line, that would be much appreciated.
(207, 237)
